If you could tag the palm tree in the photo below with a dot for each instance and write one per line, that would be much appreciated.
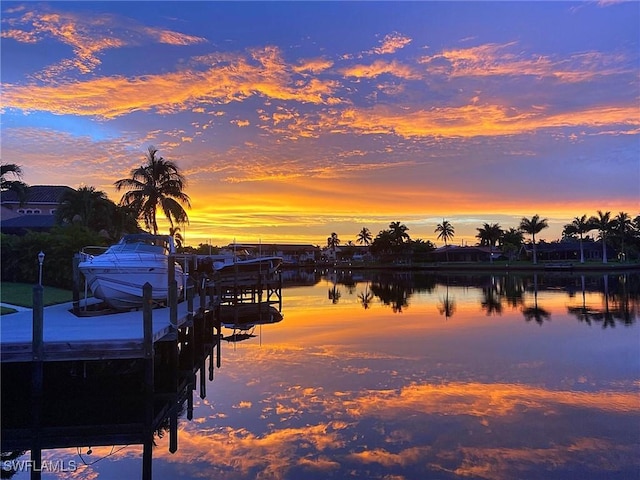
(332, 242)
(364, 237)
(533, 226)
(16, 185)
(86, 206)
(399, 236)
(604, 225)
(580, 226)
(622, 225)
(489, 235)
(158, 184)
(510, 242)
(177, 236)
(399, 232)
(446, 232)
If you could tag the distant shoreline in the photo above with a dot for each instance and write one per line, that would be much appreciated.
(567, 267)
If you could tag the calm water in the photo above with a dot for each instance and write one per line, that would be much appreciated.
(414, 377)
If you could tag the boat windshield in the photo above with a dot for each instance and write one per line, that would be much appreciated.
(142, 244)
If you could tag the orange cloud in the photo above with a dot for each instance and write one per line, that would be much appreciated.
(495, 59)
(391, 43)
(315, 65)
(380, 67)
(477, 120)
(229, 79)
(88, 36)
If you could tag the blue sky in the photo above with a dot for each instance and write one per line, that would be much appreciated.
(292, 120)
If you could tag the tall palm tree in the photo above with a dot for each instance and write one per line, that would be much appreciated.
(399, 235)
(16, 185)
(622, 225)
(580, 226)
(364, 237)
(158, 184)
(446, 232)
(489, 235)
(533, 226)
(399, 232)
(603, 223)
(332, 242)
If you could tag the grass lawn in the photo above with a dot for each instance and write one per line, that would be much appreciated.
(22, 294)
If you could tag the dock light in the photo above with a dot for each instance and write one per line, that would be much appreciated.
(40, 262)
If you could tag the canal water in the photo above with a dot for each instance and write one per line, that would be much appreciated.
(403, 375)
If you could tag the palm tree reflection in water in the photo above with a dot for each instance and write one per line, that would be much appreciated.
(447, 305)
(536, 313)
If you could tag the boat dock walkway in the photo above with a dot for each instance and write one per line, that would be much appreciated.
(67, 336)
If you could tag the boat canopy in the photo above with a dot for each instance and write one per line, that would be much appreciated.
(145, 243)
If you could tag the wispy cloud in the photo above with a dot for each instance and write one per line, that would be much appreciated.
(500, 60)
(477, 120)
(391, 43)
(87, 35)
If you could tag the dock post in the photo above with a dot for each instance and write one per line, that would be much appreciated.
(37, 346)
(76, 284)
(190, 294)
(37, 341)
(219, 341)
(173, 291)
(203, 383)
(147, 321)
(149, 379)
(38, 322)
(203, 291)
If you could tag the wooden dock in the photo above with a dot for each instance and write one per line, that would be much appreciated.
(168, 345)
(67, 336)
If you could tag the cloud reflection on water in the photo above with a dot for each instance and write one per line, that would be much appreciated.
(336, 391)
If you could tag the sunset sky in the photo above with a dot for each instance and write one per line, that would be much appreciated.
(293, 120)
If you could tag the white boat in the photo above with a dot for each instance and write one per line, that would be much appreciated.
(245, 266)
(118, 275)
(239, 264)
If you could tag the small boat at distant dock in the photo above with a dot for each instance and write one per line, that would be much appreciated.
(230, 264)
(118, 274)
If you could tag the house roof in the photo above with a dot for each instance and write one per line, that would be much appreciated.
(22, 223)
(457, 248)
(274, 246)
(37, 194)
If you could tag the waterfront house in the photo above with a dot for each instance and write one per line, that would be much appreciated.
(36, 213)
(568, 251)
(455, 253)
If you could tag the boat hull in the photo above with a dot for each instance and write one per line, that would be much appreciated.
(248, 268)
(120, 285)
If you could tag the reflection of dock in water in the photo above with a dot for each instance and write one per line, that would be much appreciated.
(242, 319)
(111, 403)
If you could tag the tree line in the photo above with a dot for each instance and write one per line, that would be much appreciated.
(620, 232)
(86, 216)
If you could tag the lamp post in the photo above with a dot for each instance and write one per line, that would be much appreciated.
(40, 262)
